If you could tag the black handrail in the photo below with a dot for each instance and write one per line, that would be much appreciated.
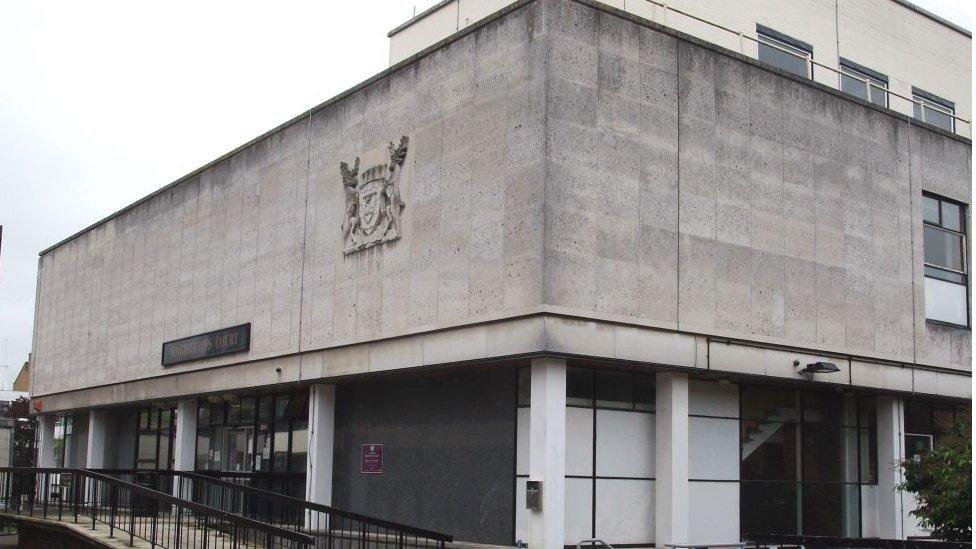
(324, 522)
(79, 495)
(825, 542)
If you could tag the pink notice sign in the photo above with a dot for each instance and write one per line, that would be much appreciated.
(372, 459)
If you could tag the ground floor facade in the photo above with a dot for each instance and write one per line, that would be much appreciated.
(545, 450)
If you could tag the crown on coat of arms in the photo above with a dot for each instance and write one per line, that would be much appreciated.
(378, 171)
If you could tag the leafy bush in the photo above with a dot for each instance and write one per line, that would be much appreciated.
(942, 482)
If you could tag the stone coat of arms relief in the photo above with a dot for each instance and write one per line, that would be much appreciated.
(373, 201)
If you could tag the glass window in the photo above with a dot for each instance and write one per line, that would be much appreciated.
(930, 210)
(944, 243)
(802, 472)
(579, 387)
(943, 248)
(769, 508)
(770, 403)
(769, 450)
(831, 510)
(830, 455)
(939, 113)
(615, 390)
(863, 85)
(645, 392)
(299, 446)
(525, 386)
(783, 54)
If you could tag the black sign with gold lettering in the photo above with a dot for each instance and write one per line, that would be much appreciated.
(235, 339)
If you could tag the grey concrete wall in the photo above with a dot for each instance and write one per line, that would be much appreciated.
(691, 190)
(563, 159)
(255, 237)
(449, 452)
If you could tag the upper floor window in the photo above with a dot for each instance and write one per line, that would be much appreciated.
(944, 240)
(862, 82)
(934, 110)
(783, 51)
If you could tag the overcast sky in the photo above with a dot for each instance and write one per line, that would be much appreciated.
(103, 102)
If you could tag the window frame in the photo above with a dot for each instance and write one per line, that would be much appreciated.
(870, 78)
(787, 44)
(963, 210)
(924, 100)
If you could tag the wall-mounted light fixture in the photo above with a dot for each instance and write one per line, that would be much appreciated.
(816, 368)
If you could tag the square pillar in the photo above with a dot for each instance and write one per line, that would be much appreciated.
(45, 440)
(891, 451)
(547, 451)
(99, 426)
(184, 446)
(321, 439)
(671, 492)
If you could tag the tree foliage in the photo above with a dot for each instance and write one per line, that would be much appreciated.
(942, 482)
(24, 432)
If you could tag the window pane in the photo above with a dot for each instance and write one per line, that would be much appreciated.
(147, 447)
(203, 414)
(233, 413)
(943, 248)
(644, 392)
(869, 456)
(217, 413)
(203, 448)
(823, 409)
(951, 216)
(262, 460)
(768, 508)
(299, 446)
(769, 450)
(918, 417)
(280, 461)
(525, 386)
(938, 118)
(868, 412)
(831, 510)
(948, 276)
(879, 96)
(930, 210)
(615, 390)
(787, 61)
(916, 110)
(247, 410)
(916, 445)
(770, 403)
(853, 86)
(830, 455)
(941, 421)
(945, 302)
(579, 387)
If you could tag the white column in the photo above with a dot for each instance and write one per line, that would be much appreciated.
(891, 451)
(184, 446)
(671, 459)
(547, 452)
(45, 440)
(99, 425)
(321, 439)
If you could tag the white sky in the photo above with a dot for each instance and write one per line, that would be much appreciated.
(103, 102)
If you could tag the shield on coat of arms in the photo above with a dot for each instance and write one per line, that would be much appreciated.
(371, 202)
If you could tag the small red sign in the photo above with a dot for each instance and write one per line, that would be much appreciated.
(372, 459)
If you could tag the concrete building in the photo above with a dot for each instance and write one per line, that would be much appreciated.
(687, 295)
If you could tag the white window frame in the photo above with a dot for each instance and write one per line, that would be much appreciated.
(935, 106)
(787, 48)
(869, 82)
(965, 253)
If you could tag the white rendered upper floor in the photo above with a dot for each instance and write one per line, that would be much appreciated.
(893, 44)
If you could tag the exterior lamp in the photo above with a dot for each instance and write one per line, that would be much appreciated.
(816, 368)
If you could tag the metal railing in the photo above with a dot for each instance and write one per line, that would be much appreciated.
(330, 527)
(743, 37)
(826, 542)
(99, 501)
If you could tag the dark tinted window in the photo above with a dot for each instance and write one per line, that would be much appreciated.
(769, 508)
